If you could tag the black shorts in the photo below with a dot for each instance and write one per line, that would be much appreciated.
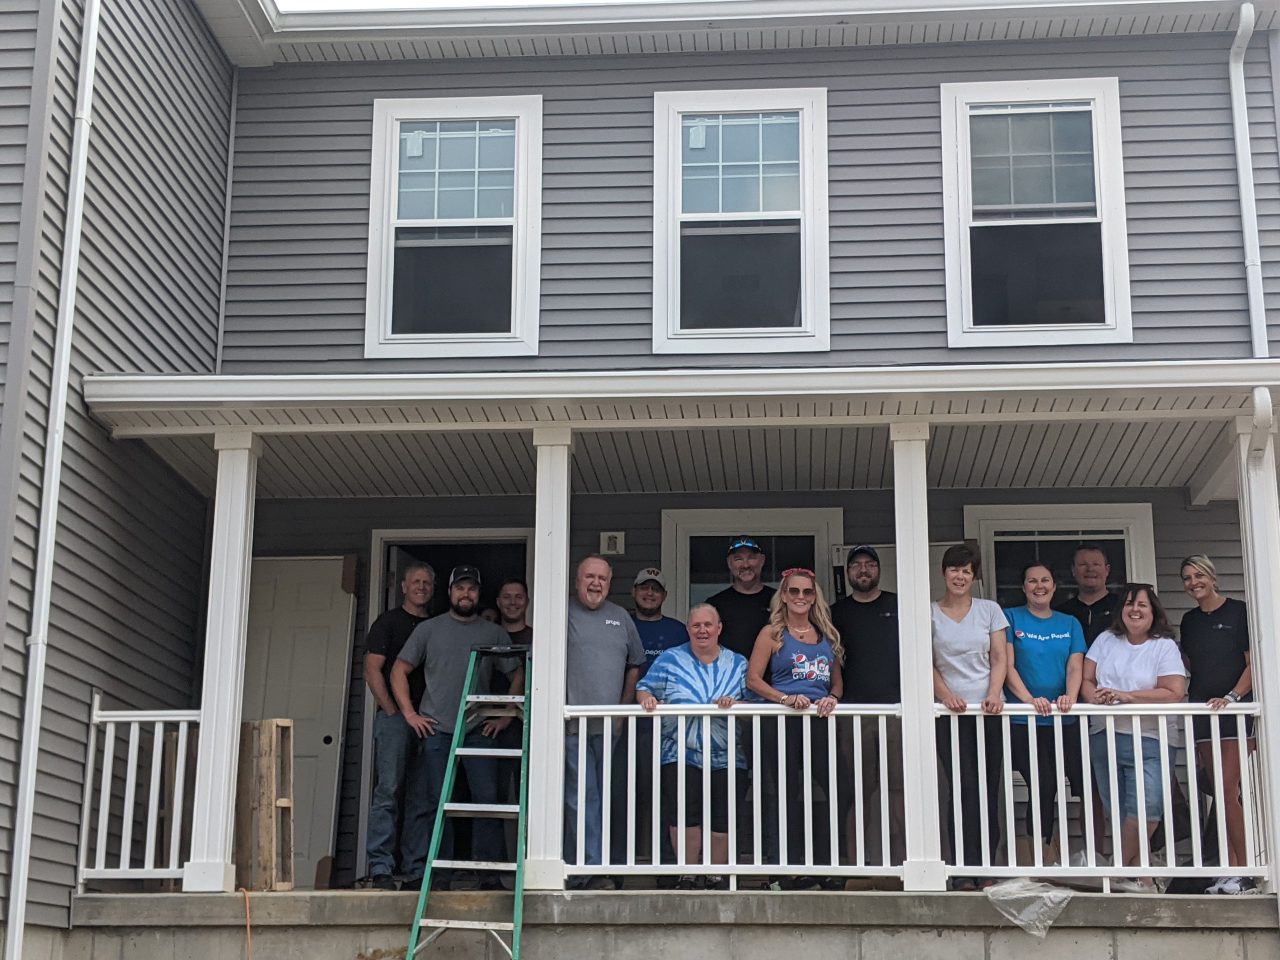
(693, 796)
(1227, 726)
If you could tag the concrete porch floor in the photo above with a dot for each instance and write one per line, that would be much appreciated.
(359, 925)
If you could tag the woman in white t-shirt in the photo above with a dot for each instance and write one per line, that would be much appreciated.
(969, 657)
(1135, 661)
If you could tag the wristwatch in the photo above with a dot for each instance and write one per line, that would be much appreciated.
(1232, 696)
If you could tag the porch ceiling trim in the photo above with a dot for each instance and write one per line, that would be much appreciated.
(154, 406)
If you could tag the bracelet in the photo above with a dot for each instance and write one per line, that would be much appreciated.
(783, 701)
(1232, 696)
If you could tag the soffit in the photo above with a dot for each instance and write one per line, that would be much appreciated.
(254, 36)
(1032, 454)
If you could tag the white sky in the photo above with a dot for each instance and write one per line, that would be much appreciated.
(305, 6)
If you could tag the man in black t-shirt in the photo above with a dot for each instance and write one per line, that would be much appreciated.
(743, 605)
(397, 756)
(868, 623)
(1092, 605)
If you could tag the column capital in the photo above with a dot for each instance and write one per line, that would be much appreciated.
(237, 440)
(553, 437)
(909, 430)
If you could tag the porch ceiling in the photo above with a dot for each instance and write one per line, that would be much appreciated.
(1162, 453)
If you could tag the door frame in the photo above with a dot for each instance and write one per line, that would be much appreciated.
(826, 524)
(379, 541)
(346, 678)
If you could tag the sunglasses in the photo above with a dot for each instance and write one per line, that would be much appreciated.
(806, 592)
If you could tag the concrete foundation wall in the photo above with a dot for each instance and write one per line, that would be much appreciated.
(673, 926)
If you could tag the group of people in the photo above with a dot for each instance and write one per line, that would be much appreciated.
(751, 642)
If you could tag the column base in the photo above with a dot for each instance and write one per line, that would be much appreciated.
(544, 874)
(208, 876)
(924, 875)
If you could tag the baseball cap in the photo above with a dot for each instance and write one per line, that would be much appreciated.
(740, 543)
(870, 551)
(650, 573)
(464, 572)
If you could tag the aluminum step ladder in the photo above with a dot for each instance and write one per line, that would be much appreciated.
(473, 705)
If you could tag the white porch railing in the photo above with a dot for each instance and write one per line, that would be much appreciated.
(131, 823)
(829, 782)
(757, 805)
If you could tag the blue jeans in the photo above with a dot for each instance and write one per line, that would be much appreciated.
(591, 797)
(1127, 775)
(420, 810)
(398, 774)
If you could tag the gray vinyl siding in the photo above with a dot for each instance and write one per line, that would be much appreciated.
(313, 527)
(128, 583)
(296, 286)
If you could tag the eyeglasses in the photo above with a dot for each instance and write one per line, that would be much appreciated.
(806, 592)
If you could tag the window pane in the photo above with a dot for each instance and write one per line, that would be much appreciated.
(708, 572)
(739, 151)
(452, 280)
(740, 275)
(1056, 550)
(1048, 155)
(460, 150)
(1037, 274)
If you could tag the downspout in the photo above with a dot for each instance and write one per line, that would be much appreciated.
(1244, 174)
(51, 481)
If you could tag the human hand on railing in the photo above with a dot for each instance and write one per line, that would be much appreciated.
(494, 726)
(1042, 705)
(648, 702)
(953, 703)
(1106, 695)
(1217, 703)
(422, 726)
(724, 703)
(826, 705)
(1066, 702)
(797, 701)
(992, 704)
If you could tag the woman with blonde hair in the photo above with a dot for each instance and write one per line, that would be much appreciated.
(795, 663)
(1215, 649)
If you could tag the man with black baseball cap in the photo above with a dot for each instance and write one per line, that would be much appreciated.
(743, 605)
(442, 649)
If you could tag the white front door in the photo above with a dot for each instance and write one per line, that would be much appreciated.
(297, 665)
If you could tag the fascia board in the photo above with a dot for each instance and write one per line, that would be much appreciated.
(108, 393)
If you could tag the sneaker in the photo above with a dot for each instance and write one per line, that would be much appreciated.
(715, 882)
(687, 882)
(1232, 886)
(1130, 885)
(382, 881)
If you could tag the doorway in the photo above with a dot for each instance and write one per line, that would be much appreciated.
(499, 553)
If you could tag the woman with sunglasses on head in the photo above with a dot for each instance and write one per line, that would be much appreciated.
(1135, 661)
(795, 663)
(1215, 650)
(969, 658)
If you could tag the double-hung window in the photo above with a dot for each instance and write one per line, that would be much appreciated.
(1033, 191)
(740, 221)
(454, 227)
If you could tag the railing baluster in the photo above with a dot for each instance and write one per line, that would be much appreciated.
(706, 789)
(631, 799)
(1114, 785)
(606, 790)
(1246, 792)
(1033, 791)
(859, 794)
(153, 795)
(583, 730)
(1140, 774)
(1193, 790)
(1060, 794)
(130, 793)
(1219, 807)
(806, 769)
(1086, 798)
(984, 824)
(1166, 785)
(682, 857)
(86, 793)
(784, 855)
(179, 794)
(833, 793)
(757, 770)
(731, 777)
(882, 741)
(655, 785)
(956, 818)
(104, 794)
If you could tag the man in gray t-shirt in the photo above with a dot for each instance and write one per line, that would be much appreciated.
(442, 649)
(604, 656)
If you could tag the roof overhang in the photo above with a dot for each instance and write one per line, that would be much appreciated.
(258, 33)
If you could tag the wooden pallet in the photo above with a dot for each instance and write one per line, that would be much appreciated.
(264, 806)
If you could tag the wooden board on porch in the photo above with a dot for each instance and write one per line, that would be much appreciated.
(264, 806)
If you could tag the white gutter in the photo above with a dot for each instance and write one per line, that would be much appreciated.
(1244, 175)
(51, 482)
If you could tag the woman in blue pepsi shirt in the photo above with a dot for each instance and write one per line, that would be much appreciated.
(1045, 669)
(796, 663)
(698, 672)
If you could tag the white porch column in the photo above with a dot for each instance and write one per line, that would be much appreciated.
(210, 868)
(544, 863)
(923, 869)
(1260, 540)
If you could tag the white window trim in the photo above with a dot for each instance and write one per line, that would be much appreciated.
(815, 264)
(522, 341)
(825, 524)
(1104, 93)
(983, 522)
